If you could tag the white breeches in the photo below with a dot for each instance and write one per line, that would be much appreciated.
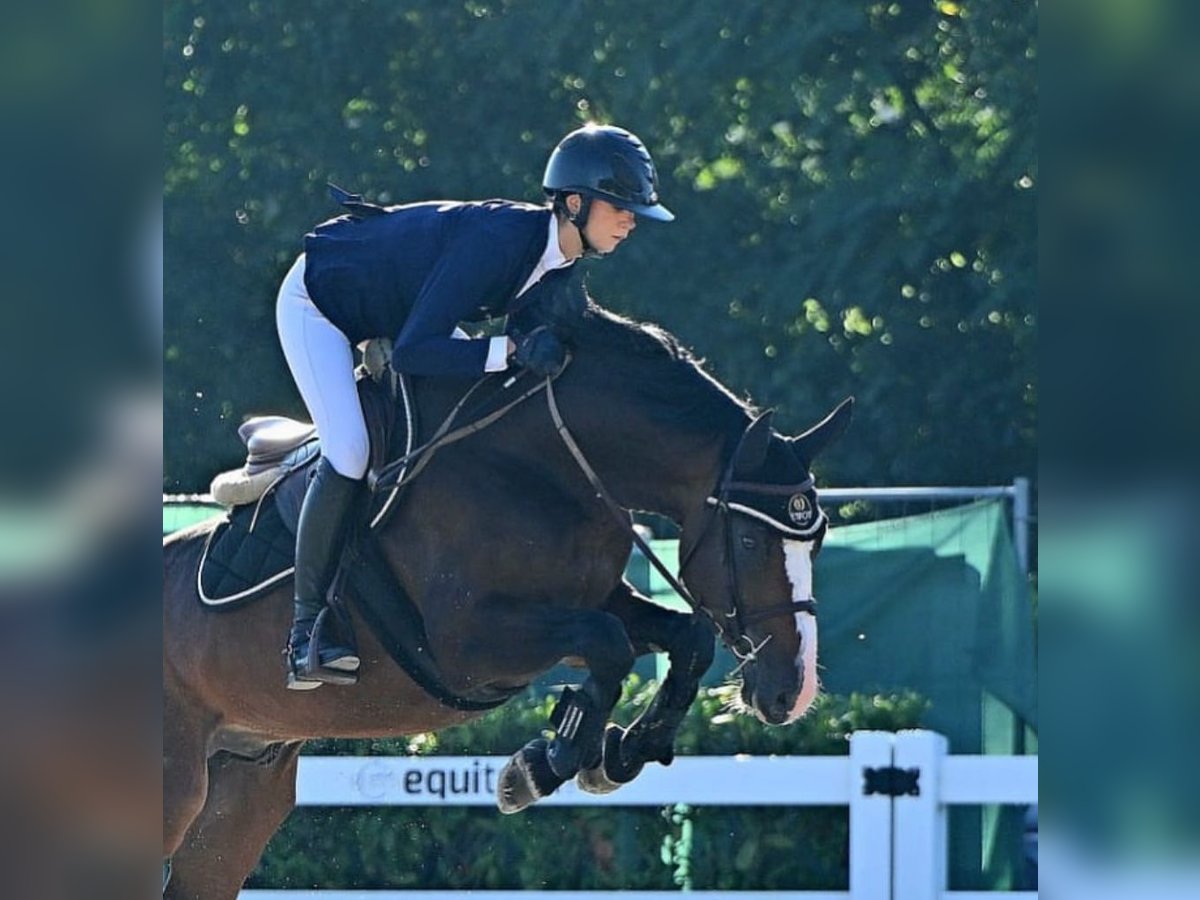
(322, 364)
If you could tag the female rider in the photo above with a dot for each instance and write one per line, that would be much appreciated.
(413, 273)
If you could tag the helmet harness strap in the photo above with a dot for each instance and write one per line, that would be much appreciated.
(579, 220)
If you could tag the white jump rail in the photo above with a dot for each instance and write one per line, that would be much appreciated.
(897, 787)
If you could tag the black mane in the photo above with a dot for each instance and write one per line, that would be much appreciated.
(650, 365)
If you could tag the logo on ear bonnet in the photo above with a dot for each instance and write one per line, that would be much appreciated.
(800, 511)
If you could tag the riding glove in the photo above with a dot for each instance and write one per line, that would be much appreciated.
(539, 352)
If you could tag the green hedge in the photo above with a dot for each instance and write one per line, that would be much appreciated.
(588, 848)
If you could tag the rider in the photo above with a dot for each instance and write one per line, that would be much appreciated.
(412, 273)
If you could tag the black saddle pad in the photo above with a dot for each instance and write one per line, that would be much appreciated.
(254, 548)
(247, 554)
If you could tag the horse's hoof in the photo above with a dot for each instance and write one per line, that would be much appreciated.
(611, 773)
(595, 781)
(526, 778)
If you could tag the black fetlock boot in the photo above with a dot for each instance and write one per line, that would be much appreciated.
(320, 537)
(579, 732)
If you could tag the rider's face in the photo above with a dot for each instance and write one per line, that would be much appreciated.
(607, 226)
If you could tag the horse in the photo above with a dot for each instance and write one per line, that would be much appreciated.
(512, 544)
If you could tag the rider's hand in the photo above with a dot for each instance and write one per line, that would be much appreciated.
(539, 352)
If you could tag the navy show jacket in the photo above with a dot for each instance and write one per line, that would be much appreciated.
(414, 272)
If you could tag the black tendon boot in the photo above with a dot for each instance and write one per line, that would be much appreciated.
(320, 537)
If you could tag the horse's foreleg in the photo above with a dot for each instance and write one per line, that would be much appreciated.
(688, 642)
(599, 639)
(247, 802)
(651, 737)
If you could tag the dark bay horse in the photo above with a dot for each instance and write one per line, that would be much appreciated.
(516, 562)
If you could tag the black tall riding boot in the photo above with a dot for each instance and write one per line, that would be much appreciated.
(320, 537)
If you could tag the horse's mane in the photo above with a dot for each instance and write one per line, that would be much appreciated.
(653, 368)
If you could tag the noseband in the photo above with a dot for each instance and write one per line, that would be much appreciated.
(732, 630)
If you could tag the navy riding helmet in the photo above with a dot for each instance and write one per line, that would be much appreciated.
(609, 163)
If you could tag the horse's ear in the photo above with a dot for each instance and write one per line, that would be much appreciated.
(808, 446)
(752, 452)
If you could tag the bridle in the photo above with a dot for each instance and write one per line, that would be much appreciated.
(730, 626)
(720, 508)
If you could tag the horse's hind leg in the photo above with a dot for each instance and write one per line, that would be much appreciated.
(247, 802)
(688, 642)
(185, 772)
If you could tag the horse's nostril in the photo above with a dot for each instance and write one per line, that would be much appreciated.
(783, 702)
(776, 707)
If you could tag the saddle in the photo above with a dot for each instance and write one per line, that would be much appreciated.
(253, 549)
(275, 446)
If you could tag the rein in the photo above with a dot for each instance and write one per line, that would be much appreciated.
(619, 512)
(390, 477)
(716, 504)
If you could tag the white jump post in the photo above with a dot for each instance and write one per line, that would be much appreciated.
(870, 818)
(919, 833)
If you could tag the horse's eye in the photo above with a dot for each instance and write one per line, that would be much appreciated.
(748, 543)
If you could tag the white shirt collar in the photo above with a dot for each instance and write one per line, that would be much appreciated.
(552, 257)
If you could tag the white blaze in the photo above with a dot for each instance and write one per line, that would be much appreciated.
(798, 558)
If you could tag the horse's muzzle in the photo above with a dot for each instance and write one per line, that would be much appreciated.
(775, 708)
(771, 697)
(780, 694)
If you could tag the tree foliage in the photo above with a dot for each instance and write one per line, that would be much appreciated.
(855, 185)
